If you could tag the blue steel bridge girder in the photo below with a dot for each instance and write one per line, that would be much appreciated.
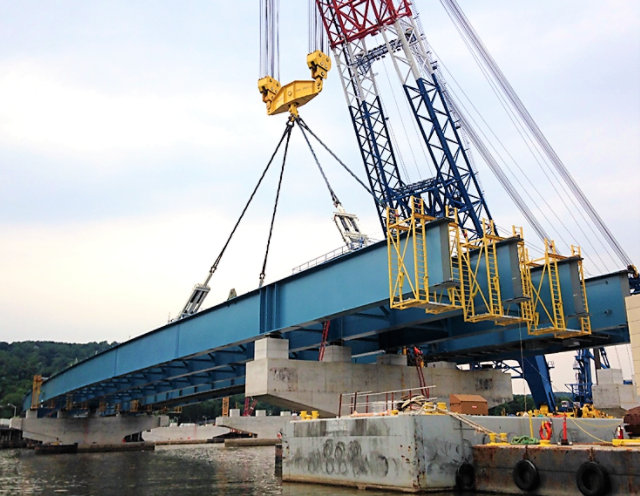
(167, 377)
(351, 291)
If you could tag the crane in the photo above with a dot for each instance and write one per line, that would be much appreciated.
(359, 34)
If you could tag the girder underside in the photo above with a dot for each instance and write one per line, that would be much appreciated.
(204, 356)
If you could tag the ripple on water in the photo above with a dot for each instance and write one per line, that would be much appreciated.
(203, 469)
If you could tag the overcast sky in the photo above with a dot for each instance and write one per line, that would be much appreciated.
(131, 134)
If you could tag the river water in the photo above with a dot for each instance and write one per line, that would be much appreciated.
(204, 469)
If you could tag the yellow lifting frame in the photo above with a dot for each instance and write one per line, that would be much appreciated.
(289, 97)
(555, 314)
(585, 320)
(402, 234)
(485, 247)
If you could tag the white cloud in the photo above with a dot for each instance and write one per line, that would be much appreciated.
(113, 280)
(41, 109)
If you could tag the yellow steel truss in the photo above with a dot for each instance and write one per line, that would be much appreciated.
(408, 276)
(479, 291)
(554, 308)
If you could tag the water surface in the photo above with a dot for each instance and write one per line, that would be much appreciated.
(169, 470)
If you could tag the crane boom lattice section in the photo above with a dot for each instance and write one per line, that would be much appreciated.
(363, 32)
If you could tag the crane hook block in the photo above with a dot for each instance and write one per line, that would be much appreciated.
(289, 97)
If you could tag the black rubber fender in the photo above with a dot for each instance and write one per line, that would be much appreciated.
(526, 476)
(592, 479)
(466, 477)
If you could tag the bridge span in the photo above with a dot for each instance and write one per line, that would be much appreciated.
(204, 356)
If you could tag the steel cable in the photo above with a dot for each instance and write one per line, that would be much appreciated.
(275, 206)
(213, 268)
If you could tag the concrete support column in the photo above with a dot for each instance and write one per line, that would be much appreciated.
(271, 348)
(633, 318)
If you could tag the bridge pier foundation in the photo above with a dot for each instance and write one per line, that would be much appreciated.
(85, 431)
(309, 385)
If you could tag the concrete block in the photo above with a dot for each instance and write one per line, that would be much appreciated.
(261, 413)
(271, 348)
(234, 412)
(263, 427)
(88, 430)
(392, 359)
(411, 453)
(335, 353)
(311, 385)
(441, 365)
(609, 376)
(632, 301)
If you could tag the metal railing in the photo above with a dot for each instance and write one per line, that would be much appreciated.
(369, 403)
(338, 252)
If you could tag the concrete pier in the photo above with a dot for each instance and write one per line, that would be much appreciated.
(307, 385)
(184, 434)
(86, 431)
(260, 427)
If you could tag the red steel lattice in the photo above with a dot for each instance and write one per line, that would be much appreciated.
(348, 20)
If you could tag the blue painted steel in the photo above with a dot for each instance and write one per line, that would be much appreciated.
(438, 253)
(454, 184)
(510, 277)
(535, 370)
(204, 355)
(370, 125)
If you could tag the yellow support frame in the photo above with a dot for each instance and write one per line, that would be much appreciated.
(555, 314)
(485, 247)
(402, 234)
(35, 391)
(585, 320)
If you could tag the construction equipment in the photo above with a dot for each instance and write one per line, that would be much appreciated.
(323, 341)
(360, 33)
(249, 406)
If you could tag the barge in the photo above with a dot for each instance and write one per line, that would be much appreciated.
(438, 452)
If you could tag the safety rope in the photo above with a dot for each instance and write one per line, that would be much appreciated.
(275, 206)
(477, 427)
(588, 433)
(524, 440)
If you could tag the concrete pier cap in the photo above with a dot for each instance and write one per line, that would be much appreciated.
(86, 431)
(309, 385)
